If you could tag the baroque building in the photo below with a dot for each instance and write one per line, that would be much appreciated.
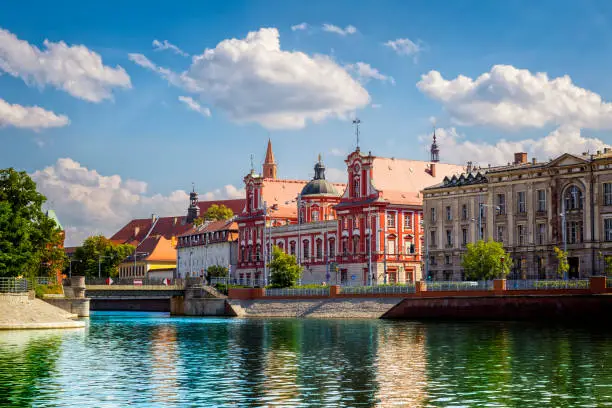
(365, 231)
(529, 206)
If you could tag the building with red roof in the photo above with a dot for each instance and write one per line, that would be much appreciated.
(366, 231)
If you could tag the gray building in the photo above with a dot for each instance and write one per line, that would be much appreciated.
(529, 206)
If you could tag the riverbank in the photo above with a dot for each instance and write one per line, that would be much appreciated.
(18, 312)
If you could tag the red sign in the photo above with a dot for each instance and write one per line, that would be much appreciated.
(137, 283)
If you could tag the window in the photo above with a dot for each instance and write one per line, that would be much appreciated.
(541, 200)
(464, 212)
(345, 246)
(501, 203)
(541, 234)
(573, 198)
(521, 204)
(607, 188)
(319, 247)
(332, 248)
(305, 247)
(447, 260)
(449, 238)
(500, 233)
(407, 221)
(464, 236)
(390, 219)
(391, 246)
(574, 232)
(520, 234)
(356, 192)
(483, 212)
(355, 244)
(408, 247)
(608, 229)
(292, 248)
(432, 260)
(432, 238)
(449, 213)
(433, 214)
(315, 216)
(344, 223)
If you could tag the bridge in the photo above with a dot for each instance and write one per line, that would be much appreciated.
(149, 297)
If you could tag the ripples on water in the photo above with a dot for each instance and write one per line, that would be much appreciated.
(152, 360)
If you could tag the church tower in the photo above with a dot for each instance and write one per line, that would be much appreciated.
(193, 211)
(269, 166)
(435, 151)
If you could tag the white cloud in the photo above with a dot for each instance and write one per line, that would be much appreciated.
(299, 27)
(73, 69)
(364, 72)
(165, 45)
(228, 191)
(455, 149)
(29, 117)
(334, 151)
(513, 98)
(194, 106)
(336, 175)
(253, 80)
(330, 28)
(88, 203)
(404, 46)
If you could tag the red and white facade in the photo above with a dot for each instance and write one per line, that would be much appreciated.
(365, 231)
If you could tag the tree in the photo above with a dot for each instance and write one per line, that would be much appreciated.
(218, 212)
(284, 270)
(562, 263)
(100, 249)
(27, 235)
(217, 271)
(486, 260)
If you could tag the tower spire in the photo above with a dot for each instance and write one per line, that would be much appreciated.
(435, 151)
(269, 166)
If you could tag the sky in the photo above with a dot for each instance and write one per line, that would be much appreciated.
(116, 108)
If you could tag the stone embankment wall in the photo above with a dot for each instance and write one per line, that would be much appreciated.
(22, 311)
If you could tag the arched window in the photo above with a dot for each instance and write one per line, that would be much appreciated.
(355, 244)
(573, 198)
(344, 246)
(305, 252)
(319, 248)
(292, 248)
(356, 184)
(315, 216)
(258, 252)
(281, 246)
(332, 248)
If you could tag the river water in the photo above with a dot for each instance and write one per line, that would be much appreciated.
(153, 360)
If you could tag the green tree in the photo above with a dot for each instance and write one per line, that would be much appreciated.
(217, 271)
(27, 235)
(100, 249)
(218, 212)
(562, 263)
(284, 270)
(486, 260)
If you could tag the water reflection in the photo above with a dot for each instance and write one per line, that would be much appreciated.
(153, 360)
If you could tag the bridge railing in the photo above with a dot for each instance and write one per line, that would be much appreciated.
(14, 285)
(133, 282)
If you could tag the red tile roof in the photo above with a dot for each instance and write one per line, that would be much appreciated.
(158, 249)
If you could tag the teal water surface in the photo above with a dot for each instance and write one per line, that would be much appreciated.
(153, 360)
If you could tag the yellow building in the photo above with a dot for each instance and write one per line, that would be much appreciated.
(154, 258)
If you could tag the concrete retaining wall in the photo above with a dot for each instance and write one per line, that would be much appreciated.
(580, 308)
(79, 307)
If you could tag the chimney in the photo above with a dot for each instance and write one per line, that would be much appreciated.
(533, 160)
(153, 217)
(469, 167)
(520, 158)
(174, 221)
(432, 169)
(136, 231)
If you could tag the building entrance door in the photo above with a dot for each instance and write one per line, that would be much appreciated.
(574, 267)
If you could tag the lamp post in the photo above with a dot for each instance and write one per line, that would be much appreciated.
(100, 264)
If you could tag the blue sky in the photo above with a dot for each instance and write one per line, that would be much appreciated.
(141, 133)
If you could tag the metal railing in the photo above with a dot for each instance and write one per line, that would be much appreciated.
(131, 282)
(381, 289)
(297, 292)
(547, 284)
(14, 285)
(434, 286)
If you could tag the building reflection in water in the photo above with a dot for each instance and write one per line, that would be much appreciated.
(401, 364)
(164, 360)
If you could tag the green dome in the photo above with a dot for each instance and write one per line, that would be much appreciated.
(318, 185)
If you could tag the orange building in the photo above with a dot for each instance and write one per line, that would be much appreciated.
(365, 231)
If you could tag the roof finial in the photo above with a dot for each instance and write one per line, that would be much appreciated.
(319, 157)
(356, 122)
(252, 166)
(193, 187)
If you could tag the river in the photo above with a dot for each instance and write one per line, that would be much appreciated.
(153, 360)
